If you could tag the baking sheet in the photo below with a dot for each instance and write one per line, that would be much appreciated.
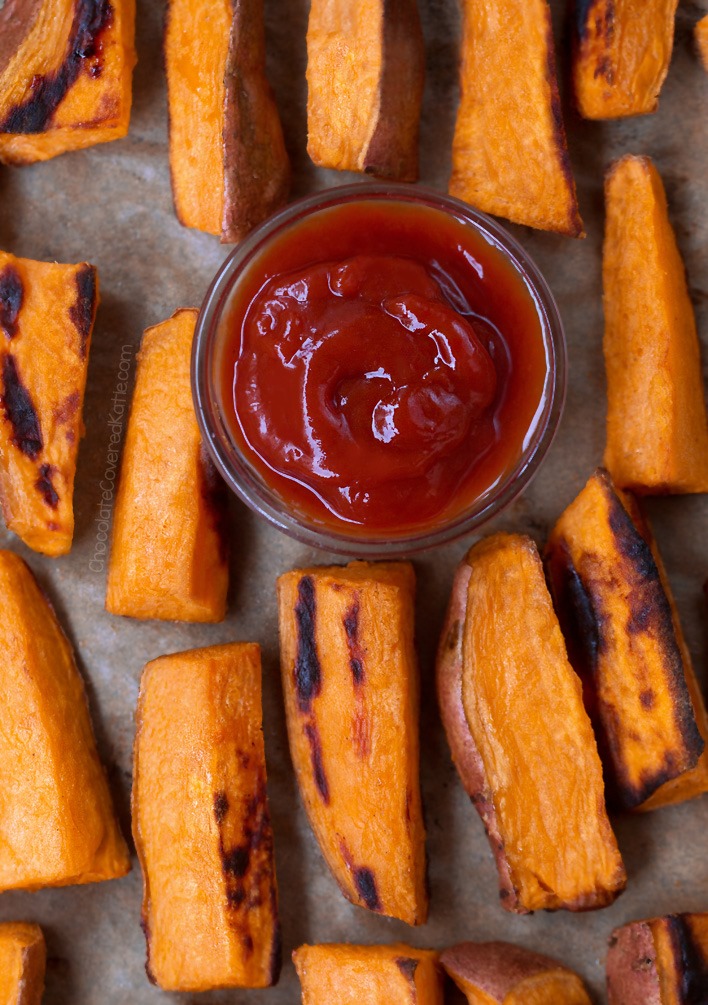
(111, 205)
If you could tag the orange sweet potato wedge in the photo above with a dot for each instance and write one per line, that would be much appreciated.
(58, 825)
(201, 822)
(368, 975)
(66, 71)
(701, 36)
(499, 973)
(657, 431)
(624, 641)
(229, 166)
(509, 154)
(23, 957)
(47, 313)
(168, 555)
(365, 73)
(351, 697)
(503, 657)
(621, 55)
(660, 961)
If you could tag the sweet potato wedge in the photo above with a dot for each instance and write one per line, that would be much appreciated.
(23, 957)
(351, 696)
(66, 70)
(499, 973)
(613, 607)
(657, 431)
(509, 154)
(201, 822)
(368, 975)
(661, 961)
(365, 72)
(47, 313)
(701, 36)
(621, 55)
(58, 825)
(230, 169)
(168, 554)
(522, 703)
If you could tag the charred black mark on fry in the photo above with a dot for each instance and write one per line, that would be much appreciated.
(647, 698)
(66, 411)
(365, 883)
(236, 861)
(20, 411)
(11, 297)
(318, 771)
(691, 965)
(356, 656)
(408, 967)
(560, 144)
(308, 673)
(221, 806)
(82, 311)
(45, 487)
(84, 50)
(582, 16)
(276, 953)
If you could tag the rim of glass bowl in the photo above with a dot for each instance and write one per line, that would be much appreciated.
(245, 481)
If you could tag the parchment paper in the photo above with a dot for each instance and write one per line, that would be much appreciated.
(111, 205)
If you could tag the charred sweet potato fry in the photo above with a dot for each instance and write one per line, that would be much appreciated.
(368, 975)
(624, 642)
(228, 161)
(701, 35)
(523, 706)
(622, 54)
(499, 973)
(657, 432)
(47, 313)
(201, 822)
(23, 958)
(365, 71)
(58, 825)
(66, 71)
(168, 555)
(509, 154)
(351, 696)
(661, 961)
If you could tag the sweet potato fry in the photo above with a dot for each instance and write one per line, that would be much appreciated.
(65, 75)
(523, 706)
(23, 956)
(499, 973)
(657, 431)
(351, 695)
(365, 71)
(701, 36)
(621, 55)
(616, 614)
(58, 826)
(168, 554)
(228, 161)
(47, 313)
(201, 822)
(661, 961)
(368, 975)
(509, 154)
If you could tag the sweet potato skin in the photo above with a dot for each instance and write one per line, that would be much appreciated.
(701, 36)
(368, 975)
(365, 75)
(621, 55)
(168, 553)
(224, 124)
(58, 822)
(47, 313)
(618, 621)
(65, 75)
(23, 957)
(515, 663)
(351, 696)
(499, 972)
(509, 154)
(657, 430)
(660, 961)
(201, 822)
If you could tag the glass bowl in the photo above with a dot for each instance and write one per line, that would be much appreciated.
(248, 484)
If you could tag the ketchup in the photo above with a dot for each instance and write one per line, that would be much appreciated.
(383, 364)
